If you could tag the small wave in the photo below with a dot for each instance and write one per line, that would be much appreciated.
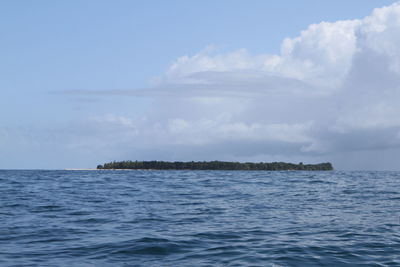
(53, 218)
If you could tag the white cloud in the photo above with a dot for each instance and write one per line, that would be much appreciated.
(321, 55)
(112, 119)
(333, 90)
(341, 79)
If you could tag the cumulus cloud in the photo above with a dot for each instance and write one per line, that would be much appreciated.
(338, 82)
(334, 89)
(321, 56)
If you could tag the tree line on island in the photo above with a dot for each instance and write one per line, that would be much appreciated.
(215, 165)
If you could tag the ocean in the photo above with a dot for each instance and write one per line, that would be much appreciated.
(199, 218)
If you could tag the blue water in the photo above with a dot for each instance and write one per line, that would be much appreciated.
(199, 218)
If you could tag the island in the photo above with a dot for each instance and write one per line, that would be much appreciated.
(214, 165)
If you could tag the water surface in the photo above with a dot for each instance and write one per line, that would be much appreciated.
(199, 218)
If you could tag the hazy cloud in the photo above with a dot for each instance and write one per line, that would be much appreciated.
(333, 90)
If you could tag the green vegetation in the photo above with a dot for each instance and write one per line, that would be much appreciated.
(215, 165)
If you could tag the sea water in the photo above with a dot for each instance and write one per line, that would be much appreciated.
(199, 218)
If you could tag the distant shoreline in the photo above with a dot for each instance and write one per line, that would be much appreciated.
(214, 165)
(79, 169)
(91, 169)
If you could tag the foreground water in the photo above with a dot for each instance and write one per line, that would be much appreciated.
(199, 218)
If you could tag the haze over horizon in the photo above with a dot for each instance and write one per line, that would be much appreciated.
(85, 83)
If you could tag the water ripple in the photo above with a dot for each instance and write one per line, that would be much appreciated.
(199, 218)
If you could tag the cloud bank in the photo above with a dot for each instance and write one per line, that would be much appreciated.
(333, 93)
(333, 89)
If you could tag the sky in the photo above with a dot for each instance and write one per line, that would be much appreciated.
(87, 82)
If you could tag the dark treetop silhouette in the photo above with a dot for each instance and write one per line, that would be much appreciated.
(215, 165)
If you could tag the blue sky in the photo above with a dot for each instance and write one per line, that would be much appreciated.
(84, 82)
